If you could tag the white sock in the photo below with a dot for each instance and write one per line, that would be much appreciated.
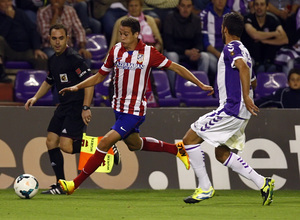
(196, 156)
(237, 164)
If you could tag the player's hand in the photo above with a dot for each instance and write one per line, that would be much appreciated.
(86, 116)
(251, 107)
(30, 103)
(208, 88)
(68, 89)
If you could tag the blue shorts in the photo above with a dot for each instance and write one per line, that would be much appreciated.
(127, 124)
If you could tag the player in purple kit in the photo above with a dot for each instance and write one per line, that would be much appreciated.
(224, 127)
(131, 60)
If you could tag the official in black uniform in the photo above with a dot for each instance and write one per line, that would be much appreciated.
(66, 68)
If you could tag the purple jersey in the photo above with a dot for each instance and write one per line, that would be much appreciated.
(228, 79)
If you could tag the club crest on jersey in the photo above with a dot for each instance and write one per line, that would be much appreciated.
(140, 58)
(63, 77)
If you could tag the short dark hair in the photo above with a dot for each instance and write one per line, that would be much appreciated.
(294, 70)
(267, 2)
(57, 27)
(133, 23)
(234, 22)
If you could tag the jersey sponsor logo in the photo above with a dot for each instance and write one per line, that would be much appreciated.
(63, 77)
(83, 73)
(130, 66)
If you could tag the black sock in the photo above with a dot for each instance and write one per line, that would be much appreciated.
(57, 163)
(2, 72)
(76, 146)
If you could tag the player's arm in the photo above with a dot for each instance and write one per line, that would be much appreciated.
(244, 71)
(91, 81)
(185, 73)
(45, 87)
(88, 97)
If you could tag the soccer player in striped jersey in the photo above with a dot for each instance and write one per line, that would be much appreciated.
(224, 127)
(131, 60)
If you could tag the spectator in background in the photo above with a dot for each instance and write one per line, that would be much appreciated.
(160, 9)
(200, 5)
(90, 24)
(288, 97)
(183, 40)
(31, 7)
(283, 8)
(19, 39)
(58, 12)
(108, 12)
(263, 37)
(212, 19)
(241, 6)
(149, 33)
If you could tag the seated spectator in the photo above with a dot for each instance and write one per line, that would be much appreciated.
(242, 6)
(31, 7)
(283, 8)
(289, 56)
(58, 12)
(19, 40)
(149, 31)
(108, 12)
(263, 37)
(285, 97)
(159, 10)
(90, 24)
(212, 19)
(183, 40)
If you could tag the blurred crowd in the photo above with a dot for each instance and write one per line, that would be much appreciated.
(185, 31)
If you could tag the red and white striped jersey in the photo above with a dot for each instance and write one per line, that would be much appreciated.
(132, 69)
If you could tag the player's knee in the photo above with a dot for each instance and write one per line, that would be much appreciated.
(51, 144)
(66, 147)
(222, 153)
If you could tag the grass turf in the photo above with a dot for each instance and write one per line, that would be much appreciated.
(149, 204)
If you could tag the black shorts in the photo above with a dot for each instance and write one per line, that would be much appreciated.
(67, 121)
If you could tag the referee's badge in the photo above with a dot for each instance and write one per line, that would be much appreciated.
(140, 58)
(63, 77)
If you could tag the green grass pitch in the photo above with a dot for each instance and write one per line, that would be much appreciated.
(149, 204)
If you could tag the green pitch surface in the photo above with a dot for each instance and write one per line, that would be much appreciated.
(149, 204)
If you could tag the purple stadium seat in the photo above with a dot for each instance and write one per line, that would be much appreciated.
(268, 83)
(18, 65)
(27, 83)
(97, 45)
(191, 95)
(101, 94)
(163, 89)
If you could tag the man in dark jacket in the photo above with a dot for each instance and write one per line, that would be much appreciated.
(183, 40)
(19, 39)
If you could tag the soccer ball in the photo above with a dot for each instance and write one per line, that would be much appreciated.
(26, 186)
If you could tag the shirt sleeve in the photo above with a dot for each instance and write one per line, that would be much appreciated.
(158, 60)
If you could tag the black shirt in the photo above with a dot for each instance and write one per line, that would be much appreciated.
(281, 98)
(65, 70)
(261, 52)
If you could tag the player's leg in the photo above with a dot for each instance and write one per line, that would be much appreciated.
(192, 143)
(93, 163)
(238, 165)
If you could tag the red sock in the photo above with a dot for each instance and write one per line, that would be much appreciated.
(152, 144)
(91, 165)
